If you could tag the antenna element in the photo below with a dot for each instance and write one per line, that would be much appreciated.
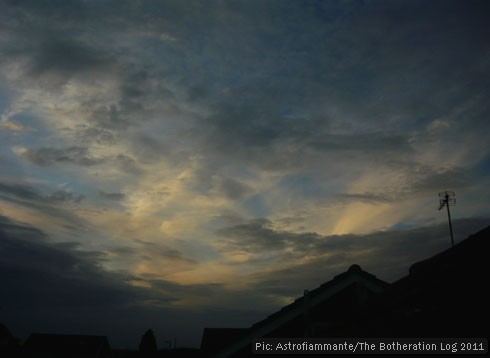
(447, 198)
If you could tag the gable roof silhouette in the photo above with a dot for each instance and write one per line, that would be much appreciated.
(5, 334)
(445, 295)
(347, 282)
(66, 346)
(214, 337)
(9, 345)
(354, 275)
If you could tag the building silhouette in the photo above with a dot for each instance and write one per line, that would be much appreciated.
(9, 345)
(444, 296)
(66, 346)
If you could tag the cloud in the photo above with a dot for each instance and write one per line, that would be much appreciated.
(391, 247)
(418, 181)
(65, 196)
(55, 274)
(158, 251)
(55, 210)
(427, 180)
(211, 149)
(47, 156)
(13, 126)
(107, 118)
(20, 191)
(386, 254)
(48, 47)
(258, 236)
(78, 156)
(27, 194)
(111, 196)
(364, 197)
(234, 189)
(62, 56)
(42, 279)
(101, 136)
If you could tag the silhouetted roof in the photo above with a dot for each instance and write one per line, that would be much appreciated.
(6, 338)
(61, 345)
(241, 337)
(469, 254)
(326, 290)
(4, 332)
(213, 338)
(444, 295)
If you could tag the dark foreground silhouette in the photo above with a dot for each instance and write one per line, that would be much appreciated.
(442, 297)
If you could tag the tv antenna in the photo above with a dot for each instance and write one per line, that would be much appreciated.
(447, 199)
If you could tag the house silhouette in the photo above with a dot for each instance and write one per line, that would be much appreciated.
(66, 346)
(442, 297)
(9, 345)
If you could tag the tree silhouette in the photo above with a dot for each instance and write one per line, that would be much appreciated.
(148, 343)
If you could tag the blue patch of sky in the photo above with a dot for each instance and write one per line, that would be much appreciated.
(302, 185)
(36, 137)
(55, 178)
(415, 223)
(28, 138)
(291, 111)
(402, 226)
(483, 166)
(37, 130)
(256, 206)
(4, 100)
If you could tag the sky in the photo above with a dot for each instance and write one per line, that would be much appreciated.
(177, 165)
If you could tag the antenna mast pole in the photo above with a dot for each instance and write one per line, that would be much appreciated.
(447, 199)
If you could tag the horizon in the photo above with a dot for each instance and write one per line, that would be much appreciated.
(180, 165)
(165, 343)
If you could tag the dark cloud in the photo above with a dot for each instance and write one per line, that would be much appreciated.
(426, 180)
(290, 220)
(286, 112)
(364, 144)
(19, 191)
(263, 138)
(365, 197)
(62, 56)
(65, 196)
(58, 286)
(87, 134)
(79, 156)
(12, 228)
(23, 193)
(161, 251)
(192, 290)
(107, 117)
(47, 156)
(386, 254)
(234, 189)
(317, 92)
(111, 196)
(258, 236)
(420, 180)
(49, 43)
(48, 202)
(53, 274)
(241, 125)
(125, 163)
(59, 10)
(149, 149)
(376, 89)
(141, 87)
(391, 247)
